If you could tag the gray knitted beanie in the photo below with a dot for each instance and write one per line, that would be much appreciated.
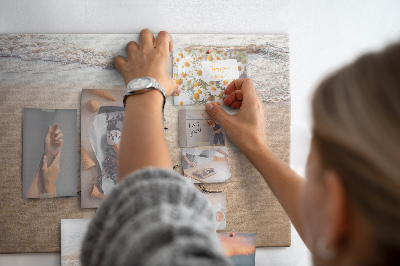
(153, 217)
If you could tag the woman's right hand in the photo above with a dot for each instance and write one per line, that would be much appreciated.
(53, 142)
(247, 128)
(50, 174)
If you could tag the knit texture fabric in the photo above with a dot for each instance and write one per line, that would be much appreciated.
(153, 217)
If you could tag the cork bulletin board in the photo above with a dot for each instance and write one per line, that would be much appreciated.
(50, 71)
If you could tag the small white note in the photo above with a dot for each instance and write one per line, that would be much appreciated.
(219, 70)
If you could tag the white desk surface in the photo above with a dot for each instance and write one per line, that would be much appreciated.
(323, 36)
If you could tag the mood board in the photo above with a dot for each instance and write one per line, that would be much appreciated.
(51, 72)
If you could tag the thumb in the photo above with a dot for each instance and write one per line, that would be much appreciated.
(44, 163)
(217, 112)
(48, 131)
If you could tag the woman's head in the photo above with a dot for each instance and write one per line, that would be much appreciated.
(356, 144)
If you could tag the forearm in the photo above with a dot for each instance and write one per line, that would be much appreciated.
(186, 159)
(50, 189)
(36, 186)
(33, 191)
(283, 181)
(143, 141)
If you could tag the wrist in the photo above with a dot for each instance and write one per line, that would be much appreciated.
(142, 85)
(50, 189)
(152, 98)
(256, 148)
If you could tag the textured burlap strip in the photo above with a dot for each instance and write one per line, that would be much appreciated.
(33, 225)
(30, 225)
(251, 206)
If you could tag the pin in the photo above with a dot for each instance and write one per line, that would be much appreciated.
(208, 51)
(232, 234)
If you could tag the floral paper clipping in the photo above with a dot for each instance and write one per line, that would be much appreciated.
(204, 74)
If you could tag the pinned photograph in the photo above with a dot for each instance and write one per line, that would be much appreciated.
(204, 74)
(49, 153)
(218, 201)
(206, 165)
(198, 128)
(72, 234)
(102, 114)
(239, 247)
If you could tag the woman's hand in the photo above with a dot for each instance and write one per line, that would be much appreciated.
(50, 174)
(53, 142)
(247, 129)
(149, 59)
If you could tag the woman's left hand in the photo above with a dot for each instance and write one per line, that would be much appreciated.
(149, 59)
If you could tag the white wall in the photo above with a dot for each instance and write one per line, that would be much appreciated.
(323, 36)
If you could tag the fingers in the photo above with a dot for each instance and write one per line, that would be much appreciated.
(164, 41)
(60, 142)
(48, 133)
(132, 48)
(146, 40)
(119, 63)
(217, 112)
(56, 126)
(233, 86)
(235, 99)
(177, 92)
(245, 85)
(59, 136)
(248, 94)
(44, 163)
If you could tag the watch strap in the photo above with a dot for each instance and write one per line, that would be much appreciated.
(154, 86)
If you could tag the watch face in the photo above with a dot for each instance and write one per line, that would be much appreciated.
(140, 83)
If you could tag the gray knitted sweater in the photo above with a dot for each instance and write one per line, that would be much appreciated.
(154, 217)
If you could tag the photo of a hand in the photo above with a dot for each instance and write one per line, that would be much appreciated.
(53, 142)
(49, 168)
(49, 174)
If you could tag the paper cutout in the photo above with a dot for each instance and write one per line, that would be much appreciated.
(203, 77)
(241, 248)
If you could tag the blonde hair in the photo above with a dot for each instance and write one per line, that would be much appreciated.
(356, 113)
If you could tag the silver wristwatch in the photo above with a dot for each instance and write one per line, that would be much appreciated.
(142, 85)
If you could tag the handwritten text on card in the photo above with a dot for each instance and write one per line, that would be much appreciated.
(219, 70)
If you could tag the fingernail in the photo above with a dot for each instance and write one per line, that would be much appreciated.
(209, 106)
(45, 157)
(179, 90)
